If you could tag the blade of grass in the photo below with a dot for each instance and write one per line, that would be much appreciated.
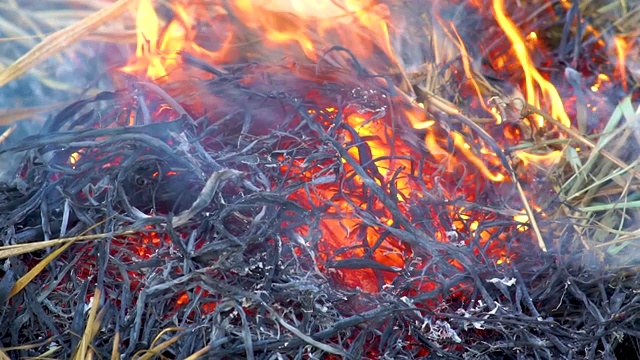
(530, 215)
(573, 158)
(156, 350)
(608, 134)
(115, 350)
(26, 20)
(30, 346)
(603, 180)
(24, 280)
(5, 135)
(581, 138)
(29, 276)
(9, 116)
(198, 354)
(20, 249)
(622, 239)
(49, 353)
(605, 207)
(90, 331)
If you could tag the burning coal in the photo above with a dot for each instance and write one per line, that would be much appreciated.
(333, 180)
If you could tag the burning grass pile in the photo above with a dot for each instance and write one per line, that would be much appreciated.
(293, 210)
(183, 237)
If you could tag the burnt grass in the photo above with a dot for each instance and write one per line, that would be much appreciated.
(192, 193)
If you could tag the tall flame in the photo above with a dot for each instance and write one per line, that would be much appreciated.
(622, 49)
(531, 74)
(147, 30)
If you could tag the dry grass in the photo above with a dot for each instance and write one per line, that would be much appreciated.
(600, 193)
(46, 50)
(597, 177)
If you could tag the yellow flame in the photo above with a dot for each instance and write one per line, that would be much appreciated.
(532, 36)
(546, 159)
(74, 158)
(474, 225)
(156, 55)
(496, 115)
(147, 29)
(503, 259)
(417, 118)
(147, 26)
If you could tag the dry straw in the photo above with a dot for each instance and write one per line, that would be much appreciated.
(59, 40)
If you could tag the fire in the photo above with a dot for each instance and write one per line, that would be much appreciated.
(74, 158)
(311, 24)
(310, 27)
(532, 75)
(465, 148)
(547, 160)
(380, 149)
(147, 29)
(303, 32)
(396, 167)
(602, 79)
(621, 49)
(523, 219)
(158, 52)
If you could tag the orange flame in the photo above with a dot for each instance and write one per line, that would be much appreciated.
(278, 24)
(312, 25)
(622, 49)
(531, 74)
